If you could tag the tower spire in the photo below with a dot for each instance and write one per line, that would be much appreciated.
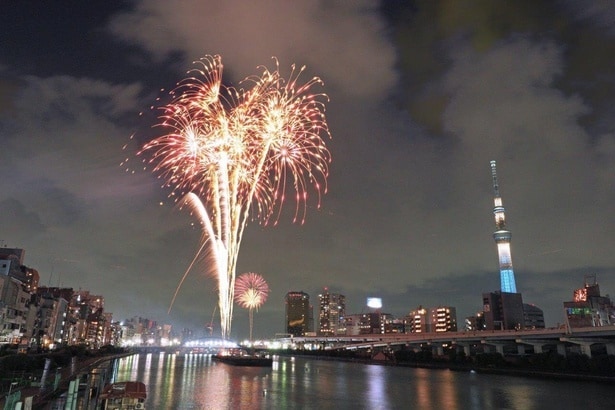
(494, 175)
(502, 238)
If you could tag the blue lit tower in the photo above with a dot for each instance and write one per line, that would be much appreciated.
(502, 239)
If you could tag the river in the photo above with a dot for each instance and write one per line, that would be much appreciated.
(194, 381)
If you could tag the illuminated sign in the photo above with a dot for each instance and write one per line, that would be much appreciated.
(374, 303)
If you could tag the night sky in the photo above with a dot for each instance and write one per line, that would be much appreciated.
(423, 94)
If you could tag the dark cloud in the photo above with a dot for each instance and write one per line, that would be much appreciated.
(598, 13)
(314, 35)
(17, 220)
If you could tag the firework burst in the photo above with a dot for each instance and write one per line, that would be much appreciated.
(233, 154)
(251, 292)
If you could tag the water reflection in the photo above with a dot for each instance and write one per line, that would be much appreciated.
(376, 390)
(194, 381)
(474, 392)
(450, 396)
(422, 389)
(145, 378)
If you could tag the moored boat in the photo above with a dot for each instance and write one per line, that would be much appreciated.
(240, 357)
(124, 396)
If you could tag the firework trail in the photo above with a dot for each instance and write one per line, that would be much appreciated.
(232, 154)
(251, 292)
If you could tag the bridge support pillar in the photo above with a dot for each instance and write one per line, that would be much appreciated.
(536, 345)
(438, 350)
(521, 349)
(499, 347)
(561, 349)
(584, 345)
(586, 349)
(465, 346)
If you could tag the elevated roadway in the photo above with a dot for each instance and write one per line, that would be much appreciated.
(564, 340)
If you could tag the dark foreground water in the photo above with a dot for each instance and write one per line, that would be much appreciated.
(197, 382)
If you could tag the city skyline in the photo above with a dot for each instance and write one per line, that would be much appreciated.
(330, 311)
(422, 96)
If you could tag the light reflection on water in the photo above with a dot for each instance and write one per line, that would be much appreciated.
(197, 382)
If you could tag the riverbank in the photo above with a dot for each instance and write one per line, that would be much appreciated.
(195, 381)
(503, 367)
(44, 384)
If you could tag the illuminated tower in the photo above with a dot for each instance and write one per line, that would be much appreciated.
(502, 239)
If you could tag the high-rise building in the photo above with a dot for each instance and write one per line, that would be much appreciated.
(476, 322)
(392, 324)
(298, 314)
(86, 319)
(443, 319)
(372, 323)
(17, 282)
(503, 311)
(418, 321)
(353, 323)
(14, 309)
(533, 316)
(502, 238)
(32, 278)
(331, 312)
(51, 319)
(13, 253)
(11, 264)
(429, 320)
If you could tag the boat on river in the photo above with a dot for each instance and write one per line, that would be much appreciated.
(124, 396)
(241, 357)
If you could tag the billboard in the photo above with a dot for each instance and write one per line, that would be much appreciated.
(374, 303)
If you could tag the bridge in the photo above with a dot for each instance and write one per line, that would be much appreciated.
(208, 345)
(585, 340)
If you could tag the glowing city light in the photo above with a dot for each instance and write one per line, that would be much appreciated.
(232, 154)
